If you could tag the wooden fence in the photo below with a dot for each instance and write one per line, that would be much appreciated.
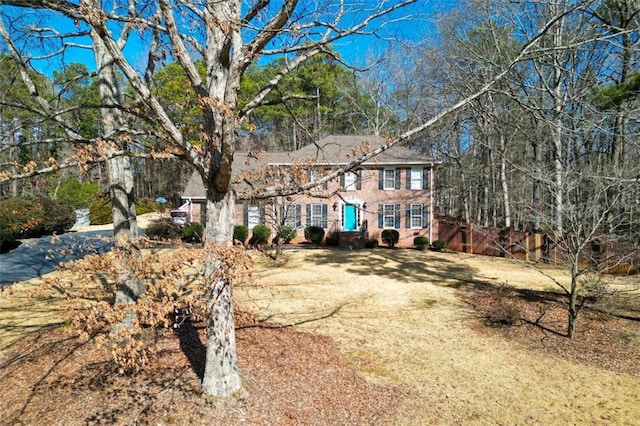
(610, 257)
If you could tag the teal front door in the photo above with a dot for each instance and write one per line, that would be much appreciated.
(350, 222)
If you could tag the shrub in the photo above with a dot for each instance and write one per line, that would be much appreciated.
(192, 232)
(59, 216)
(78, 194)
(421, 242)
(101, 213)
(332, 239)
(390, 237)
(371, 243)
(503, 314)
(163, 230)
(261, 234)
(144, 205)
(439, 245)
(240, 233)
(287, 233)
(315, 234)
(33, 217)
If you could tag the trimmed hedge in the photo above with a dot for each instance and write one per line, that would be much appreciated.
(315, 234)
(261, 234)
(240, 233)
(421, 242)
(192, 232)
(439, 245)
(390, 237)
(287, 233)
(33, 217)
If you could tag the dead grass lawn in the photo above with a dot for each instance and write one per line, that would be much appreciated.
(369, 337)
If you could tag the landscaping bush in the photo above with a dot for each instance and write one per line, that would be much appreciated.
(261, 234)
(390, 237)
(192, 232)
(33, 217)
(503, 314)
(332, 239)
(59, 216)
(287, 233)
(145, 205)
(315, 234)
(371, 243)
(439, 245)
(101, 212)
(240, 233)
(421, 242)
(163, 230)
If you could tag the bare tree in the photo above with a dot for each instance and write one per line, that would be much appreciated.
(227, 37)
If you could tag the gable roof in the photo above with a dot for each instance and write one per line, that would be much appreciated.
(331, 150)
(342, 149)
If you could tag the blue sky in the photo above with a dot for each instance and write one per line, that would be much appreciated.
(357, 50)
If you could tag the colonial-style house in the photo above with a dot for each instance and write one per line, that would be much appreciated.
(393, 190)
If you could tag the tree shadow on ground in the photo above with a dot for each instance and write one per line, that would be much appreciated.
(404, 265)
(192, 346)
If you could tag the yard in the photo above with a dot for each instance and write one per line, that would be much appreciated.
(370, 337)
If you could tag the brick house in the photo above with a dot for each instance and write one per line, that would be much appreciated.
(393, 190)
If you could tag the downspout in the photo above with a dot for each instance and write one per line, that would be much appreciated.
(431, 203)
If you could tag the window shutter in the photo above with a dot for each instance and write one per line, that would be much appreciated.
(380, 216)
(397, 212)
(381, 179)
(298, 216)
(425, 216)
(308, 222)
(324, 216)
(359, 179)
(342, 181)
(425, 178)
(245, 214)
(408, 215)
(408, 174)
(262, 221)
(398, 171)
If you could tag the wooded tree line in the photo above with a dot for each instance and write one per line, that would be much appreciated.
(529, 105)
(570, 108)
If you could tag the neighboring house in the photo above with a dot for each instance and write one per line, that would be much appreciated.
(393, 190)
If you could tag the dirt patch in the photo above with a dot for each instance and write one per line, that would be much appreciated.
(371, 337)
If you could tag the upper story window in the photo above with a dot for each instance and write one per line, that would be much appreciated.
(417, 178)
(351, 181)
(315, 175)
(389, 179)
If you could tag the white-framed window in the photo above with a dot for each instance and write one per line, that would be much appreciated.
(253, 216)
(389, 216)
(350, 181)
(416, 178)
(291, 215)
(416, 216)
(317, 215)
(389, 179)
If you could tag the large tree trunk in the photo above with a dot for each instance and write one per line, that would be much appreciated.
(121, 182)
(221, 374)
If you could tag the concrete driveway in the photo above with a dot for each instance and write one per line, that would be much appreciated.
(38, 256)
